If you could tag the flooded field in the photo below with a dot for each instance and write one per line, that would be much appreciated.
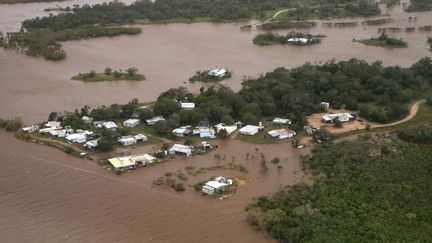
(48, 196)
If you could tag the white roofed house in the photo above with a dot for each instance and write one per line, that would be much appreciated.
(281, 121)
(143, 160)
(53, 124)
(325, 105)
(182, 131)
(76, 138)
(187, 105)
(342, 117)
(131, 123)
(229, 129)
(154, 120)
(219, 72)
(92, 145)
(127, 140)
(181, 149)
(282, 133)
(216, 185)
(30, 129)
(109, 125)
(250, 130)
(140, 138)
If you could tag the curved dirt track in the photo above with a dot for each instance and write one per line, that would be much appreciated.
(413, 111)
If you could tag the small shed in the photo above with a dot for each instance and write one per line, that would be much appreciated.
(212, 187)
(281, 121)
(140, 138)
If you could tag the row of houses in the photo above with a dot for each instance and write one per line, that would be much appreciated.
(131, 162)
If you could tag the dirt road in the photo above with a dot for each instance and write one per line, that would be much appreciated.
(414, 109)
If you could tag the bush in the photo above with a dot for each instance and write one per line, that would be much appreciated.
(178, 187)
(416, 134)
(11, 124)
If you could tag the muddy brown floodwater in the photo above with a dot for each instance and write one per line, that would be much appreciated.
(48, 196)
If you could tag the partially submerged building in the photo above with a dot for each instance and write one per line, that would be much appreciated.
(229, 129)
(181, 149)
(131, 162)
(218, 73)
(217, 185)
(250, 130)
(30, 129)
(282, 133)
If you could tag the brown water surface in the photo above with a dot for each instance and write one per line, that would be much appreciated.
(48, 196)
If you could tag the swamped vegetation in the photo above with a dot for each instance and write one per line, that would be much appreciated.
(287, 25)
(41, 36)
(45, 42)
(429, 42)
(419, 6)
(11, 124)
(130, 74)
(272, 39)
(385, 41)
(377, 190)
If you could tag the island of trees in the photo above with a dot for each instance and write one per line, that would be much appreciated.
(384, 41)
(130, 74)
(292, 38)
(41, 36)
(212, 75)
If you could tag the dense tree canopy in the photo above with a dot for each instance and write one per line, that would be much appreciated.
(372, 191)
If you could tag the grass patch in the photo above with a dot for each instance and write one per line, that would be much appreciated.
(97, 77)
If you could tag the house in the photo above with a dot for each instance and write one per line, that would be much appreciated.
(140, 138)
(282, 133)
(281, 121)
(219, 73)
(325, 105)
(206, 132)
(87, 120)
(181, 149)
(250, 130)
(92, 145)
(109, 125)
(342, 117)
(239, 124)
(30, 129)
(131, 162)
(131, 123)
(154, 120)
(212, 187)
(122, 163)
(182, 131)
(187, 105)
(76, 138)
(229, 129)
(127, 140)
(143, 160)
(53, 124)
(58, 133)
